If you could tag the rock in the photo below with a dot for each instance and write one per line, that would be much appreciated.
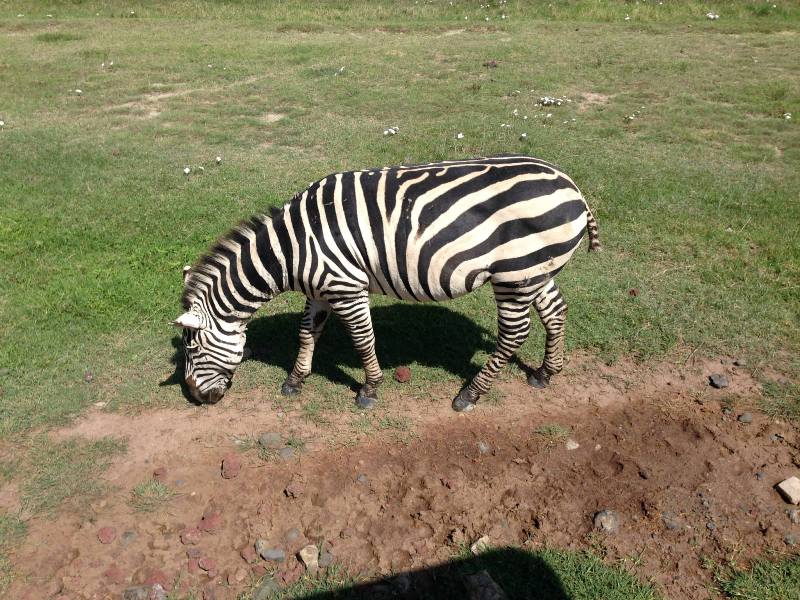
(270, 440)
(745, 417)
(88, 377)
(248, 554)
(309, 556)
(266, 590)
(231, 465)
(290, 573)
(760, 475)
(160, 474)
(325, 558)
(402, 374)
(286, 453)
(295, 488)
(258, 570)
(790, 539)
(671, 522)
(606, 521)
(211, 522)
(193, 566)
(717, 380)
(293, 535)
(790, 490)
(480, 586)
(482, 545)
(484, 448)
(740, 362)
(207, 564)
(106, 535)
(190, 537)
(114, 574)
(572, 444)
(362, 478)
(127, 537)
(194, 553)
(268, 552)
(139, 592)
(794, 515)
(711, 526)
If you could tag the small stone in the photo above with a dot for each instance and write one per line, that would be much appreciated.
(286, 453)
(760, 475)
(402, 374)
(790, 490)
(190, 537)
(207, 564)
(790, 539)
(211, 523)
(259, 570)
(88, 377)
(295, 488)
(572, 444)
(269, 553)
(794, 515)
(231, 465)
(293, 535)
(711, 526)
(248, 554)
(718, 381)
(745, 417)
(270, 440)
(127, 537)
(482, 545)
(671, 522)
(481, 586)
(160, 474)
(106, 535)
(237, 576)
(139, 592)
(484, 448)
(157, 577)
(740, 362)
(266, 590)
(325, 558)
(362, 478)
(633, 292)
(606, 521)
(309, 556)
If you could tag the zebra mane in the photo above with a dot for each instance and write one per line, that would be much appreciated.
(215, 255)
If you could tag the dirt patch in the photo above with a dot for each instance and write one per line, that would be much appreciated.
(590, 99)
(271, 117)
(687, 479)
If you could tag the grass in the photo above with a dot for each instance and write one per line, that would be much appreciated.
(58, 474)
(765, 580)
(12, 529)
(552, 431)
(151, 495)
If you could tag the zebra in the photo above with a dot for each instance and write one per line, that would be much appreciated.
(425, 232)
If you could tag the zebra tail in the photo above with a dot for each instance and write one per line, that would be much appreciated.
(591, 228)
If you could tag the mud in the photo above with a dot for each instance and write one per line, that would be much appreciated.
(688, 481)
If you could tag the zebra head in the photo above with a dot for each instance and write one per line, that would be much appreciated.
(213, 348)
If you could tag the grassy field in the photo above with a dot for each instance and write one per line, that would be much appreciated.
(677, 129)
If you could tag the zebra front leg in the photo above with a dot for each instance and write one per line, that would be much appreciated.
(314, 316)
(354, 313)
(513, 326)
(552, 310)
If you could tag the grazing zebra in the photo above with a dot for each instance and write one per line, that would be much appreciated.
(420, 232)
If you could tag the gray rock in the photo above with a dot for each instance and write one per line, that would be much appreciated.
(571, 444)
(794, 515)
(362, 478)
(718, 381)
(127, 537)
(606, 521)
(293, 535)
(483, 447)
(286, 453)
(267, 589)
(711, 526)
(760, 475)
(139, 592)
(325, 558)
(270, 440)
(745, 417)
(480, 586)
(671, 522)
(270, 553)
(790, 539)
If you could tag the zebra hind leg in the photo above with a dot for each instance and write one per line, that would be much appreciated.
(552, 310)
(513, 326)
(314, 316)
(354, 314)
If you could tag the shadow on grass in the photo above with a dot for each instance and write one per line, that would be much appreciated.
(517, 573)
(423, 334)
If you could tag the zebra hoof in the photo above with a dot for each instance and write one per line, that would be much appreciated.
(538, 383)
(462, 404)
(365, 402)
(288, 389)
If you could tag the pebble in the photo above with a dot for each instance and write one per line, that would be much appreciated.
(88, 377)
(482, 545)
(248, 554)
(483, 447)
(362, 478)
(127, 537)
(572, 444)
(711, 526)
(402, 374)
(238, 576)
(671, 522)
(606, 521)
(190, 537)
(106, 535)
(794, 515)
(194, 553)
(760, 475)
(266, 590)
(718, 381)
(293, 535)
(286, 453)
(309, 556)
(790, 490)
(325, 558)
(231, 465)
(790, 539)
(269, 553)
(207, 564)
(139, 592)
(745, 417)
(211, 522)
(270, 440)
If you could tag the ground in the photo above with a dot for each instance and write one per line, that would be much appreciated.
(691, 484)
(681, 131)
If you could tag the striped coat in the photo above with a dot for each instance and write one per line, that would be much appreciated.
(423, 232)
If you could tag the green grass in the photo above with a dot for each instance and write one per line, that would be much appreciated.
(552, 431)
(765, 580)
(65, 473)
(12, 529)
(151, 495)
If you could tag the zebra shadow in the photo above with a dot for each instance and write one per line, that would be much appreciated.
(428, 335)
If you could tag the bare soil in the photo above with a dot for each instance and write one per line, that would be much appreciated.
(656, 447)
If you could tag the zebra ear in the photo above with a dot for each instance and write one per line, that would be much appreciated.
(188, 321)
(186, 270)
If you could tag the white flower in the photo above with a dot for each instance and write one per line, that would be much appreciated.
(786, 116)
(627, 18)
(186, 170)
(79, 92)
(219, 160)
(201, 169)
(459, 136)
(523, 136)
(2, 123)
(548, 115)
